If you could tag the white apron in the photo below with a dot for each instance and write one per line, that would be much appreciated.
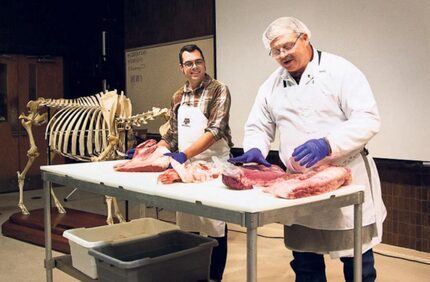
(191, 125)
(306, 99)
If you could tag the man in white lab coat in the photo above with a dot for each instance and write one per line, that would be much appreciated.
(199, 129)
(325, 112)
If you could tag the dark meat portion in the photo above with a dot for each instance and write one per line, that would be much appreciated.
(168, 177)
(245, 177)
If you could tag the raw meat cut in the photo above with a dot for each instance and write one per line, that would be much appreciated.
(148, 157)
(245, 177)
(319, 180)
(190, 172)
(168, 177)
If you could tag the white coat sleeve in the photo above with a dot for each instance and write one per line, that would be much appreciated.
(359, 107)
(260, 127)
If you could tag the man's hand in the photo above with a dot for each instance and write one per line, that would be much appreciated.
(311, 152)
(253, 155)
(179, 157)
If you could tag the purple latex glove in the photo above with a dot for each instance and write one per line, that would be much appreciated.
(311, 152)
(179, 157)
(253, 155)
(130, 153)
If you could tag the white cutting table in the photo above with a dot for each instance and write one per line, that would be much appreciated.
(248, 208)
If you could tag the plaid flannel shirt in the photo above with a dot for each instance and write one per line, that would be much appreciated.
(216, 108)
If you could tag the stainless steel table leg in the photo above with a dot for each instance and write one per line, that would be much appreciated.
(251, 254)
(48, 246)
(358, 219)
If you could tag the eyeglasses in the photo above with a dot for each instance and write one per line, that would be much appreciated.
(190, 64)
(275, 52)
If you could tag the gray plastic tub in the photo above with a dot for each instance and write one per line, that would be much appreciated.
(82, 239)
(169, 256)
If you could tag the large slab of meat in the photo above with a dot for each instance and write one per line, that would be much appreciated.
(147, 157)
(319, 180)
(245, 177)
(190, 172)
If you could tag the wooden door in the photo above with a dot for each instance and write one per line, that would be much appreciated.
(24, 78)
(9, 150)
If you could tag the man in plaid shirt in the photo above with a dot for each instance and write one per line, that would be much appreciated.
(199, 129)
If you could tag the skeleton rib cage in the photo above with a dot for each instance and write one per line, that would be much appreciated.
(78, 130)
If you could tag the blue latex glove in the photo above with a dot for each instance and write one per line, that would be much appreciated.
(130, 153)
(179, 157)
(253, 155)
(311, 152)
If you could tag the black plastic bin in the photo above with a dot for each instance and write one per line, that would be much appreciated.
(168, 256)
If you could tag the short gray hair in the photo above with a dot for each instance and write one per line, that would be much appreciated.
(284, 25)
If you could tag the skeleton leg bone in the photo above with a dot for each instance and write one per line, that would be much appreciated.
(57, 203)
(109, 202)
(27, 121)
(21, 180)
(32, 153)
(59, 206)
(117, 211)
(109, 219)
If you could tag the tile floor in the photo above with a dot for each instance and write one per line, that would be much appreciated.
(20, 261)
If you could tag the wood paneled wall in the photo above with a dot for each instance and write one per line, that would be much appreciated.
(406, 194)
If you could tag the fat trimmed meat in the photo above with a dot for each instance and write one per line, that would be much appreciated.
(245, 177)
(147, 157)
(190, 172)
(319, 180)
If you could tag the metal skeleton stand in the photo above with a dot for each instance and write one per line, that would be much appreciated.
(48, 152)
(104, 89)
(70, 194)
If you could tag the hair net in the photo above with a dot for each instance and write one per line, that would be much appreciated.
(284, 25)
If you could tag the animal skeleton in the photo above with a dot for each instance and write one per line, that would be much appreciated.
(86, 129)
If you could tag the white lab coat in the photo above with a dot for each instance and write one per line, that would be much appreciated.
(332, 100)
(191, 125)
